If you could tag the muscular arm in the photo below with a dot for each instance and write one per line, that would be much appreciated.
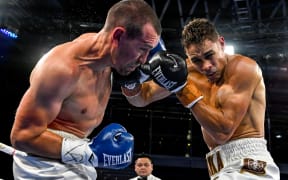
(50, 84)
(149, 92)
(219, 121)
(168, 72)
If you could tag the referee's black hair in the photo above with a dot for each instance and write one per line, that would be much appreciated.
(144, 155)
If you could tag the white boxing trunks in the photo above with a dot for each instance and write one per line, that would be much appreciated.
(34, 167)
(242, 159)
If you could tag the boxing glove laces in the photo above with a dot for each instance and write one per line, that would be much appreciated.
(112, 148)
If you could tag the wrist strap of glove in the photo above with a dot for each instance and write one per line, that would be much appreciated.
(76, 151)
(194, 102)
(179, 88)
(189, 95)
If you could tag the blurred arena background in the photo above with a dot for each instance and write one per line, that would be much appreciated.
(256, 28)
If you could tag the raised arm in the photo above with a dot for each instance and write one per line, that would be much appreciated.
(168, 72)
(242, 90)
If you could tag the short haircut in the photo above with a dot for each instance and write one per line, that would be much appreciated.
(197, 31)
(143, 155)
(132, 15)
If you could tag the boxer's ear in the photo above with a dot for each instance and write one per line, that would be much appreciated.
(221, 41)
(118, 33)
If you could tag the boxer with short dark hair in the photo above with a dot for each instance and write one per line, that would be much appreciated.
(69, 90)
(226, 95)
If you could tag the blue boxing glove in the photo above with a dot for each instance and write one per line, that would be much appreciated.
(112, 148)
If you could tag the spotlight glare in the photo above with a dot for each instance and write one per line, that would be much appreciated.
(229, 49)
(278, 136)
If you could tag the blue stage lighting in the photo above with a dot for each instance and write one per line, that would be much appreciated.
(8, 33)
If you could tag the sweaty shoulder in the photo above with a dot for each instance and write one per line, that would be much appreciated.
(72, 50)
(242, 67)
(85, 36)
(57, 65)
(79, 45)
(240, 61)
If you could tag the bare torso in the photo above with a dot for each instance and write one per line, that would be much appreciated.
(252, 125)
(69, 90)
(82, 111)
(232, 108)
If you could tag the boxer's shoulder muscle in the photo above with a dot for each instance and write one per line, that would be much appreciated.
(243, 73)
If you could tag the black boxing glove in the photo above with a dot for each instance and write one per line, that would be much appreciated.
(131, 84)
(133, 79)
(168, 70)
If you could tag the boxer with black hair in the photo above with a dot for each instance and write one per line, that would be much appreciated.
(226, 95)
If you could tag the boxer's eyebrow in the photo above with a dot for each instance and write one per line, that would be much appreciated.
(209, 52)
(147, 46)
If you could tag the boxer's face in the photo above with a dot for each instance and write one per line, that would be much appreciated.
(133, 52)
(208, 58)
